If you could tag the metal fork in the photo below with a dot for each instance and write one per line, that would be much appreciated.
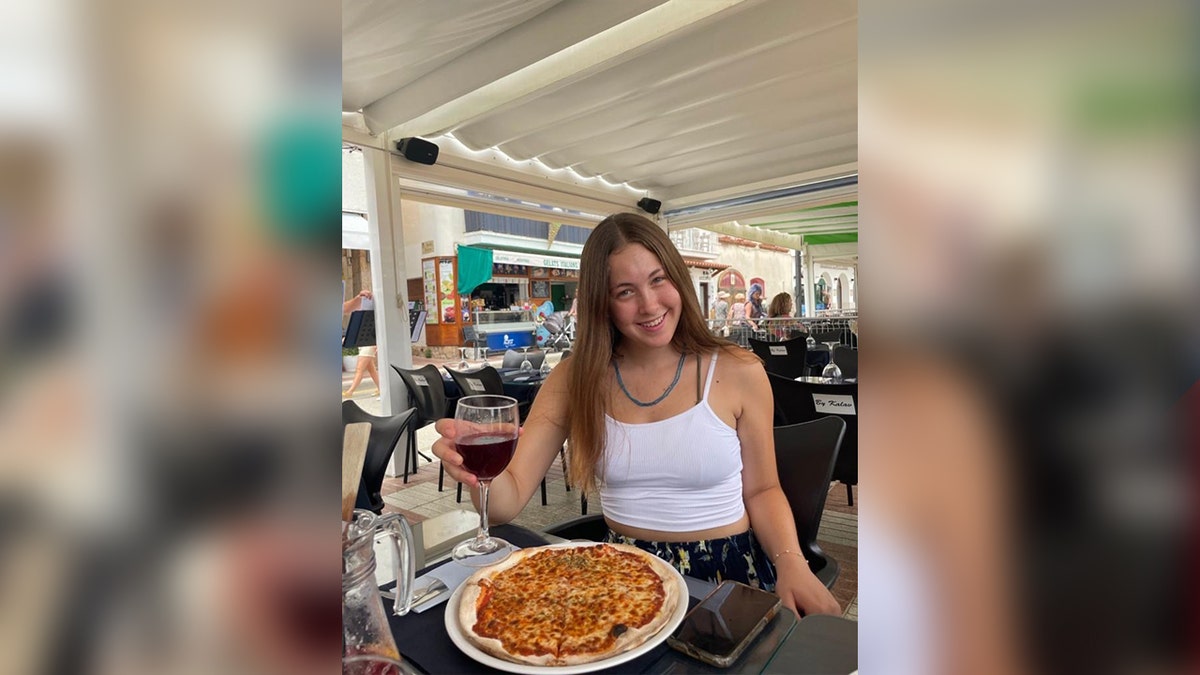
(433, 590)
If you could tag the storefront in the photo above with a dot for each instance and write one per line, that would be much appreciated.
(491, 280)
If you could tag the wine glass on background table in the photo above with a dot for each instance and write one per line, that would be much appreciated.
(486, 437)
(831, 370)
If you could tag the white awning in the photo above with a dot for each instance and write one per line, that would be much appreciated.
(534, 260)
(354, 232)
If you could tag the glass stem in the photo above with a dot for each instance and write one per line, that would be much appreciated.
(483, 511)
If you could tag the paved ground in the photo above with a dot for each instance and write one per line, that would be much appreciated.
(419, 499)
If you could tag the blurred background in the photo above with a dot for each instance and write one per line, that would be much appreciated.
(1029, 228)
(168, 248)
(169, 195)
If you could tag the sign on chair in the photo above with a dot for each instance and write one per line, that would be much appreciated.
(420, 381)
(475, 385)
(778, 350)
(834, 404)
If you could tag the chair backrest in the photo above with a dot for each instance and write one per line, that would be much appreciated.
(385, 436)
(827, 335)
(485, 380)
(426, 393)
(787, 358)
(846, 359)
(794, 404)
(512, 359)
(805, 455)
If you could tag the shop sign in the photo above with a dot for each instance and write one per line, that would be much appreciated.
(498, 341)
(534, 260)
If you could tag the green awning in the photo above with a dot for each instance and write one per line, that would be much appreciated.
(838, 238)
(474, 268)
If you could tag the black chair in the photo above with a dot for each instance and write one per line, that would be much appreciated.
(794, 405)
(588, 528)
(787, 358)
(427, 394)
(385, 435)
(475, 338)
(514, 359)
(487, 380)
(846, 359)
(805, 455)
(826, 334)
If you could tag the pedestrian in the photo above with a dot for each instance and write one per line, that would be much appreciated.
(367, 356)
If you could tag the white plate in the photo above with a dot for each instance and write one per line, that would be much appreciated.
(460, 639)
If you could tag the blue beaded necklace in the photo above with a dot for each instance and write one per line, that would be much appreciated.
(670, 387)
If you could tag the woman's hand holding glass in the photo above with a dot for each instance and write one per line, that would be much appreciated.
(484, 435)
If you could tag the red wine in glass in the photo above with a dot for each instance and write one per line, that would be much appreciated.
(486, 455)
(486, 429)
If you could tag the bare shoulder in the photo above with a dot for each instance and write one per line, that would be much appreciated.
(738, 366)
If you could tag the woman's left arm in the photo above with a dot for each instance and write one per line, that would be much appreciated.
(770, 514)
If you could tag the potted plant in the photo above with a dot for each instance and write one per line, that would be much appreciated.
(349, 359)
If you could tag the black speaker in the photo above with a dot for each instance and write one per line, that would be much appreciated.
(648, 205)
(418, 150)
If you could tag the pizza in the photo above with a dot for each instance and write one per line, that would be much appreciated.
(561, 606)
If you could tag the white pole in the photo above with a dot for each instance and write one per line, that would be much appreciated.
(809, 305)
(387, 273)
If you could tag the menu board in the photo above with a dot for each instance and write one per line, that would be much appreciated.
(429, 277)
(541, 289)
(449, 294)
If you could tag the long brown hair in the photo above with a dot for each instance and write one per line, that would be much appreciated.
(598, 337)
(781, 305)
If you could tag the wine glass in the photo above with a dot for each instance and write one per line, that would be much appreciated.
(545, 369)
(486, 428)
(463, 365)
(831, 369)
(526, 365)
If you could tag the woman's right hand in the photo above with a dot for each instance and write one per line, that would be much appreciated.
(446, 450)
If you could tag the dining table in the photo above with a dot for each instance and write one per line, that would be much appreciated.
(816, 644)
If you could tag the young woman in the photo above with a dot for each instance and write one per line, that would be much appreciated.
(672, 422)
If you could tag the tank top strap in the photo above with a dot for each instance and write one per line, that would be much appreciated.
(712, 368)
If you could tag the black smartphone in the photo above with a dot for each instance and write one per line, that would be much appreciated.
(718, 629)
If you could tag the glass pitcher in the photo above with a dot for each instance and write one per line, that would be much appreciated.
(364, 625)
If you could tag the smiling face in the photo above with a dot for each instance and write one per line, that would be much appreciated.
(643, 303)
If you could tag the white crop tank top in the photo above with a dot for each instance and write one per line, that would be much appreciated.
(680, 474)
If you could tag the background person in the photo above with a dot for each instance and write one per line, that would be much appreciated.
(367, 356)
(685, 465)
(781, 308)
(721, 313)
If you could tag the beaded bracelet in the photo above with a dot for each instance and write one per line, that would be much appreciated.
(788, 550)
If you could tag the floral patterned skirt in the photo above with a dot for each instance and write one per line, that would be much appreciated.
(739, 557)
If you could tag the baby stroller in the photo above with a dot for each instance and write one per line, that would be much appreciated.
(559, 327)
